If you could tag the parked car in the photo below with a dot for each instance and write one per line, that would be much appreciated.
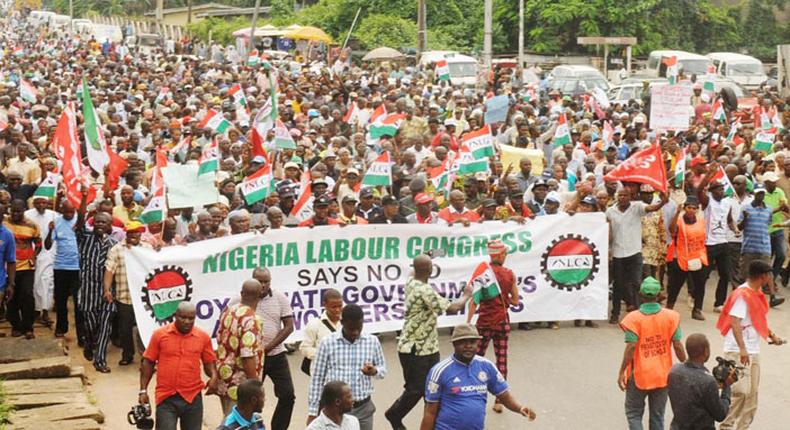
(689, 63)
(576, 79)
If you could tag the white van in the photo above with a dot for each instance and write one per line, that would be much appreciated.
(81, 25)
(688, 63)
(59, 22)
(463, 68)
(102, 32)
(40, 17)
(576, 79)
(743, 69)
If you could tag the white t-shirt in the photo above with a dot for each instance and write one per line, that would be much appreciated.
(716, 221)
(750, 337)
(736, 209)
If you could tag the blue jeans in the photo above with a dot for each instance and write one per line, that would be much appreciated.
(635, 406)
(777, 251)
(174, 409)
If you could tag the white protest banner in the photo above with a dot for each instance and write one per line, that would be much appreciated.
(560, 264)
(670, 107)
(185, 188)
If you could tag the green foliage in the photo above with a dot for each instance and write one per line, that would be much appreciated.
(221, 30)
(5, 409)
(386, 30)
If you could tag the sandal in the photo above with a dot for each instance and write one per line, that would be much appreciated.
(30, 335)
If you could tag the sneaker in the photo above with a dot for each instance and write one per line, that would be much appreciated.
(697, 315)
(717, 309)
(395, 425)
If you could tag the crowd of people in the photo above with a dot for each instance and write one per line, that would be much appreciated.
(727, 211)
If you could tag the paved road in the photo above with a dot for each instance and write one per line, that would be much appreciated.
(568, 376)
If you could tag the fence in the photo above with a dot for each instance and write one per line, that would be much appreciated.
(142, 26)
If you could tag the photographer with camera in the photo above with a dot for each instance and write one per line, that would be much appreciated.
(694, 393)
(743, 322)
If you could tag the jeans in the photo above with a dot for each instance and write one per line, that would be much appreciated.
(21, 310)
(718, 255)
(125, 329)
(778, 251)
(627, 275)
(635, 406)
(695, 281)
(67, 284)
(276, 368)
(415, 372)
(175, 408)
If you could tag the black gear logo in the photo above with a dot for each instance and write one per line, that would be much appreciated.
(165, 288)
(575, 262)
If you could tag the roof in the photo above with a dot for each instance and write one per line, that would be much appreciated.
(732, 56)
(679, 54)
(195, 8)
(237, 11)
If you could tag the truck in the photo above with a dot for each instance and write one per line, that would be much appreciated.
(463, 68)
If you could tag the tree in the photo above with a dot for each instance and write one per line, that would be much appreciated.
(385, 30)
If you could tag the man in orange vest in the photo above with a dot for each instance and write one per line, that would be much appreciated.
(743, 322)
(649, 333)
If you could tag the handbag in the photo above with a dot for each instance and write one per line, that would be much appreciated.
(306, 362)
(694, 264)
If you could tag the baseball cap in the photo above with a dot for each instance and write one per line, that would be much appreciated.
(352, 170)
(487, 203)
(259, 159)
(759, 188)
(350, 198)
(366, 192)
(322, 200)
(650, 287)
(770, 177)
(698, 160)
(589, 200)
(291, 164)
(553, 196)
(318, 181)
(422, 199)
(465, 331)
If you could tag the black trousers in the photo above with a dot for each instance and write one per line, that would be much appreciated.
(626, 277)
(276, 367)
(415, 372)
(677, 277)
(67, 284)
(718, 255)
(21, 310)
(125, 317)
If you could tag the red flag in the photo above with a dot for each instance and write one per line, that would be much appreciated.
(115, 169)
(257, 145)
(161, 158)
(67, 149)
(646, 167)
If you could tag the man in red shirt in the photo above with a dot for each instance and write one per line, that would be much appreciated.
(176, 352)
(321, 214)
(457, 211)
(493, 321)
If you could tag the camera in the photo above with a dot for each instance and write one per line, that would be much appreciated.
(140, 416)
(723, 370)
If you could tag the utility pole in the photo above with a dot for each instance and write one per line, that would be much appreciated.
(71, 15)
(254, 23)
(189, 12)
(421, 32)
(160, 4)
(520, 33)
(487, 45)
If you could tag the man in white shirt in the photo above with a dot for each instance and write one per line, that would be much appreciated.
(716, 209)
(319, 328)
(743, 322)
(336, 402)
(734, 204)
(625, 224)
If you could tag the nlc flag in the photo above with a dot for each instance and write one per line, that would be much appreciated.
(480, 142)
(484, 284)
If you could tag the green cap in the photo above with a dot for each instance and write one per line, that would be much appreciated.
(650, 287)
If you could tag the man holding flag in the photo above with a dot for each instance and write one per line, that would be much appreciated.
(418, 344)
(494, 291)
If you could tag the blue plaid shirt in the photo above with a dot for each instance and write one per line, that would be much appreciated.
(338, 359)
(756, 239)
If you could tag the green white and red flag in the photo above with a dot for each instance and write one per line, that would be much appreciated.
(98, 157)
(379, 172)
(238, 95)
(27, 91)
(386, 125)
(718, 112)
(484, 284)
(209, 158)
(721, 176)
(710, 78)
(672, 69)
(442, 70)
(257, 186)
(562, 135)
(480, 142)
(764, 141)
(48, 187)
(215, 121)
(680, 167)
(468, 164)
(282, 137)
(157, 207)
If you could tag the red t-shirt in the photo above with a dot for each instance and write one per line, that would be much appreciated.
(492, 313)
(179, 359)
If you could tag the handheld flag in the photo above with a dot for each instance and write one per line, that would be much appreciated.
(282, 137)
(480, 142)
(680, 167)
(209, 159)
(155, 209)
(442, 70)
(215, 121)
(718, 112)
(721, 176)
(467, 163)
(257, 145)
(257, 186)
(645, 166)
(27, 91)
(764, 141)
(386, 125)
(48, 187)
(238, 95)
(710, 77)
(562, 134)
(672, 69)
(484, 283)
(98, 157)
(379, 172)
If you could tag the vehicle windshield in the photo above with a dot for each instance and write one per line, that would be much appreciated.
(694, 67)
(744, 69)
(148, 40)
(462, 70)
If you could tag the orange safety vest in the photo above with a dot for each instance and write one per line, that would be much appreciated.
(689, 243)
(653, 355)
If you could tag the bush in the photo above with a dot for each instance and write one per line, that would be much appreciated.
(221, 30)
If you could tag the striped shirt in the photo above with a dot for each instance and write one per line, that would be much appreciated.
(340, 360)
(93, 258)
(756, 239)
(116, 263)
